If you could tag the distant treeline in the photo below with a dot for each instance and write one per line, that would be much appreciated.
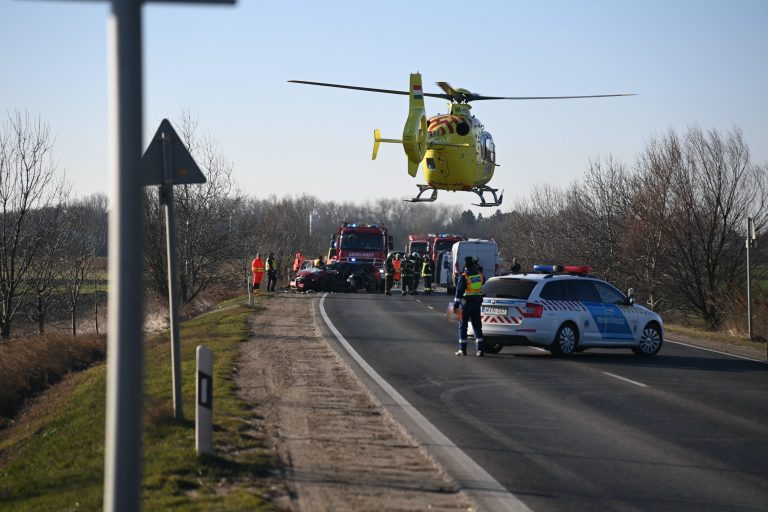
(671, 224)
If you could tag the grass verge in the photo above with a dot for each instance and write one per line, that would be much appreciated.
(52, 459)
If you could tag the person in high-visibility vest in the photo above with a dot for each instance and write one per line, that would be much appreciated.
(469, 296)
(271, 268)
(257, 266)
(427, 271)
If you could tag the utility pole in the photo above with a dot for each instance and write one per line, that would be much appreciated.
(750, 243)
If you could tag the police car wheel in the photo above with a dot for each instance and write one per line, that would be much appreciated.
(492, 348)
(650, 341)
(565, 342)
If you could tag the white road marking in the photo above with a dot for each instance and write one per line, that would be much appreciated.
(539, 349)
(626, 379)
(430, 307)
(486, 489)
(715, 351)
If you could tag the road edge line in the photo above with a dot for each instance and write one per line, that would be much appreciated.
(472, 479)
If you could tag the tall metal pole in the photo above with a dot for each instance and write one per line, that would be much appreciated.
(125, 341)
(173, 294)
(749, 292)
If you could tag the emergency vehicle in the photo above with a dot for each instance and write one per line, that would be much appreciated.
(360, 243)
(443, 243)
(565, 310)
(420, 244)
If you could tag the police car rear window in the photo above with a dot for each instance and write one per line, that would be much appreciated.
(508, 288)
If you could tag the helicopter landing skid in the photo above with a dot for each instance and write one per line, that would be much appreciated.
(419, 199)
(485, 188)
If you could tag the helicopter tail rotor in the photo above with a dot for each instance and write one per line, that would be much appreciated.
(415, 129)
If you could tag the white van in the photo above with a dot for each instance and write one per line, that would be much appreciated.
(444, 270)
(486, 251)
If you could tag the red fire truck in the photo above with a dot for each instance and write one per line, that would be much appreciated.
(360, 243)
(443, 242)
(421, 244)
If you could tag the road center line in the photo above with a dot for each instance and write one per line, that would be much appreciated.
(626, 379)
(475, 481)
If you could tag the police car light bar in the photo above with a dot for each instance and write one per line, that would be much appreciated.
(568, 269)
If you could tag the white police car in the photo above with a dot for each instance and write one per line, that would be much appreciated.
(566, 311)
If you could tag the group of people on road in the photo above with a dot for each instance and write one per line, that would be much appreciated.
(260, 267)
(407, 269)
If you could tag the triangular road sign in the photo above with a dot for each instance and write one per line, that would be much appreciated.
(184, 170)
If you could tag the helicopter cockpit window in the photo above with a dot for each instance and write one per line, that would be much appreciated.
(488, 148)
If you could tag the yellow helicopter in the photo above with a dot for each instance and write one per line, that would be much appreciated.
(457, 152)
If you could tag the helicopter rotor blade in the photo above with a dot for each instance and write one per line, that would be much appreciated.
(478, 97)
(369, 89)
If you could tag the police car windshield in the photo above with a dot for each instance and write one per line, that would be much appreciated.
(508, 288)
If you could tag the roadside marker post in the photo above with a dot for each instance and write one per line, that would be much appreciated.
(250, 294)
(204, 402)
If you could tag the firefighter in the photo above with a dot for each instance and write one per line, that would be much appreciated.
(257, 266)
(416, 271)
(297, 261)
(271, 268)
(469, 297)
(389, 274)
(397, 263)
(406, 275)
(318, 262)
(427, 272)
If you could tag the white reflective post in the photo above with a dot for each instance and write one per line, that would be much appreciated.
(204, 407)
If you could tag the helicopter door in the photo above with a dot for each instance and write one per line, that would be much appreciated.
(487, 148)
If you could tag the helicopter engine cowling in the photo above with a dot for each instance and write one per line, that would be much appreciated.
(415, 129)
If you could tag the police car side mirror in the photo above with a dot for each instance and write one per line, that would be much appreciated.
(631, 296)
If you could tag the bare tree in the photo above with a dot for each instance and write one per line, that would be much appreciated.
(47, 266)
(86, 221)
(205, 214)
(715, 188)
(28, 183)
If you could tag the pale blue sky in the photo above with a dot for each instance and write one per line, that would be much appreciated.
(691, 62)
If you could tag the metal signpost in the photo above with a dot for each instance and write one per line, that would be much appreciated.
(751, 235)
(167, 162)
(125, 337)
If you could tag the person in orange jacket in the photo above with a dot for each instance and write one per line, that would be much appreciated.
(258, 271)
(297, 261)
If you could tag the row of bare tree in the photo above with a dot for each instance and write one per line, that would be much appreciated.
(671, 224)
(48, 241)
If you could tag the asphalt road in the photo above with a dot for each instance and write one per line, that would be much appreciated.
(603, 430)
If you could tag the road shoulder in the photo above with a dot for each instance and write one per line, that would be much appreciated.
(340, 449)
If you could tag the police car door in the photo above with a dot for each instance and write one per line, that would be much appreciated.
(592, 311)
(614, 326)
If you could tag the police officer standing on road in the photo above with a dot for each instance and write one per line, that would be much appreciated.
(470, 297)
(271, 268)
(427, 271)
(389, 275)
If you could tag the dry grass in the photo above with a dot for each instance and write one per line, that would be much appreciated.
(30, 365)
